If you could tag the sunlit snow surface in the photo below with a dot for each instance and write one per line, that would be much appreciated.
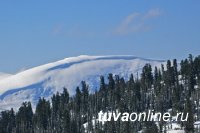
(47, 79)
(4, 75)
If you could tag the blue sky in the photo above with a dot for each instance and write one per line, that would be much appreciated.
(37, 32)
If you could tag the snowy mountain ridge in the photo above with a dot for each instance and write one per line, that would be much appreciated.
(45, 80)
(4, 75)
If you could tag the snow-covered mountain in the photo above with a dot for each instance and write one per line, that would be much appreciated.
(45, 80)
(4, 75)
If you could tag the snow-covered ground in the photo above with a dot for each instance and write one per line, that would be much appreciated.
(43, 81)
(176, 131)
(174, 128)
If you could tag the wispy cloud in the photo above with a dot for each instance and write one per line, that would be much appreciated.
(153, 13)
(73, 31)
(77, 31)
(58, 29)
(136, 22)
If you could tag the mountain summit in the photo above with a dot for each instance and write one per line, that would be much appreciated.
(45, 80)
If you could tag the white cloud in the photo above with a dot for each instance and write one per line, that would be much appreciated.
(136, 22)
(58, 29)
(71, 31)
(152, 13)
(22, 69)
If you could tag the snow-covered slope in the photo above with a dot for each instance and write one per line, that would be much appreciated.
(4, 75)
(47, 79)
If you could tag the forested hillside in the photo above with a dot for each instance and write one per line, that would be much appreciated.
(173, 88)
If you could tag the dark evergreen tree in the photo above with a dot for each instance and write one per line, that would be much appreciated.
(24, 116)
(42, 116)
(168, 88)
(189, 124)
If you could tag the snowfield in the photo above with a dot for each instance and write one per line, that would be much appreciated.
(45, 80)
(4, 75)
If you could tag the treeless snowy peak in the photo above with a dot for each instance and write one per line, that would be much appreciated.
(4, 75)
(45, 80)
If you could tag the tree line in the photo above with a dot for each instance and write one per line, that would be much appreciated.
(171, 87)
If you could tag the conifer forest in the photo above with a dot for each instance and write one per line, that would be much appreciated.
(173, 87)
